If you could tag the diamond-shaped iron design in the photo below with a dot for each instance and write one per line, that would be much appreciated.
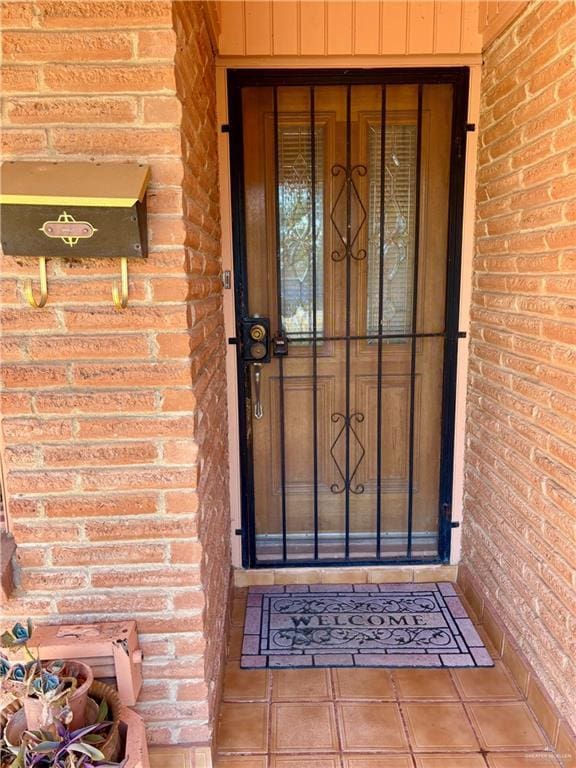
(347, 425)
(348, 238)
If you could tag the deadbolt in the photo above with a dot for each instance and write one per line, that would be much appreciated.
(258, 350)
(257, 333)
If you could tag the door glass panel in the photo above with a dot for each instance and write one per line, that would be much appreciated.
(399, 213)
(296, 228)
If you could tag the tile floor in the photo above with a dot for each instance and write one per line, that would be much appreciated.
(375, 718)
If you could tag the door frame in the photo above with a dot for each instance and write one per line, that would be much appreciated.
(459, 77)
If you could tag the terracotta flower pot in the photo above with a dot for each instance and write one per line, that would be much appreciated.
(13, 729)
(40, 715)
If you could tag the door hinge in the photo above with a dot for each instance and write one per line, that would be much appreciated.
(225, 128)
(238, 532)
(227, 279)
(447, 513)
(470, 127)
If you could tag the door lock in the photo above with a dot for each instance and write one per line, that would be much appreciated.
(280, 346)
(258, 351)
(256, 339)
(257, 332)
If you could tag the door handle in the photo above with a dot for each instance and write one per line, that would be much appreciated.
(258, 410)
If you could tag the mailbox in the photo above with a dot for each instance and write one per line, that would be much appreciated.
(74, 210)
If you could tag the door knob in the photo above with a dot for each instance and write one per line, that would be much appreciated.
(257, 332)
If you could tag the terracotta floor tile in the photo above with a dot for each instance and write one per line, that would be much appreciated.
(522, 760)
(543, 709)
(291, 761)
(425, 684)
(245, 684)
(488, 683)
(171, 757)
(490, 647)
(506, 726)
(303, 728)
(363, 684)
(235, 642)
(516, 666)
(243, 727)
(241, 761)
(450, 761)
(238, 611)
(439, 727)
(469, 608)
(301, 684)
(365, 727)
(378, 761)
(566, 746)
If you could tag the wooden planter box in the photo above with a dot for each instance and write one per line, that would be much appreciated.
(110, 648)
(134, 734)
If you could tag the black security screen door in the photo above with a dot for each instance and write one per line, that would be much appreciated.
(347, 207)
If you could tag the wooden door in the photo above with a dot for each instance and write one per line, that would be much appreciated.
(346, 239)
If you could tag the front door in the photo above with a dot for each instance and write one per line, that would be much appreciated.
(347, 209)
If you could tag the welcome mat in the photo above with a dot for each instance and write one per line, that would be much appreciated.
(360, 625)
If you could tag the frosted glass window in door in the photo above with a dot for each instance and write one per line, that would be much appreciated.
(296, 229)
(399, 170)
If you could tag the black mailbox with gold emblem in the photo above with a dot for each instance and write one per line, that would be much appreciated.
(74, 210)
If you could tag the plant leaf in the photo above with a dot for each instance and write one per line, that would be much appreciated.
(56, 666)
(78, 734)
(86, 749)
(7, 640)
(18, 761)
(93, 738)
(46, 746)
(4, 666)
(102, 711)
(18, 672)
(20, 633)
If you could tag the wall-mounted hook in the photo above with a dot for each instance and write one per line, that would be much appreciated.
(43, 287)
(121, 297)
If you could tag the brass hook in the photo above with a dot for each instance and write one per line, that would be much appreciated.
(43, 287)
(121, 299)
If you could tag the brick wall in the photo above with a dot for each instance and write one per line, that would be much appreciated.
(113, 422)
(520, 499)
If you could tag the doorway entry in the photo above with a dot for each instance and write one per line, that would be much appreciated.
(347, 214)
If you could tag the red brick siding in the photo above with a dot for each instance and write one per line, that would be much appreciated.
(195, 78)
(113, 423)
(520, 487)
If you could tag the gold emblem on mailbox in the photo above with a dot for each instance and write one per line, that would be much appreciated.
(68, 229)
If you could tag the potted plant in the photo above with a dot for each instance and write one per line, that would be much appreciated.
(63, 749)
(58, 716)
(44, 688)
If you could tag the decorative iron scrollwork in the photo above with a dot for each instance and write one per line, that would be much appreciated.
(347, 424)
(348, 190)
